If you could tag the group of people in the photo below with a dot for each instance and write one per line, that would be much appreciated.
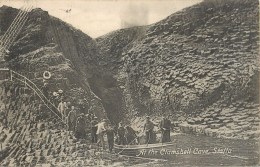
(122, 135)
(126, 135)
(79, 123)
(84, 125)
(55, 97)
(164, 126)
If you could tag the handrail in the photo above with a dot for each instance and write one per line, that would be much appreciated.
(32, 86)
(39, 97)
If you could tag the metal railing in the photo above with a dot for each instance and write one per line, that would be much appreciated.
(16, 76)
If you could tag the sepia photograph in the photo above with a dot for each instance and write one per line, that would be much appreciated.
(117, 83)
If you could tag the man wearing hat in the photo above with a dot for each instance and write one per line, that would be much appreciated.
(165, 126)
(121, 134)
(110, 137)
(148, 128)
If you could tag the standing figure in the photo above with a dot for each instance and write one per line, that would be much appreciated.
(81, 127)
(110, 137)
(101, 129)
(72, 119)
(68, 108)
(45, 90)
(94, 127)
(165, 126)
(62, 107)
(121, 134)
(148, 128)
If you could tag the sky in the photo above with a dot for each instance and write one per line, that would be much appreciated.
(98, 17)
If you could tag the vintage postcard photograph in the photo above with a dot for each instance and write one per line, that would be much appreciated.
(142, 83)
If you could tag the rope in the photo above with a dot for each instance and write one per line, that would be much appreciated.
(12, 24)
(18, 28)
(15, 26)
(8, 35)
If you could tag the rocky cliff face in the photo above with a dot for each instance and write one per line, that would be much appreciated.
(30, 133)
(199, 64)
(200, 58)
(203, 57)
(48, 44)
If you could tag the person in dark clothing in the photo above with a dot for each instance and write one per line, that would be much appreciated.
(148, 128)
(72, 118)
(130, 135)
(121, 135)
(110, 137)
(165, 126)
(81, 127)
(94, 122)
